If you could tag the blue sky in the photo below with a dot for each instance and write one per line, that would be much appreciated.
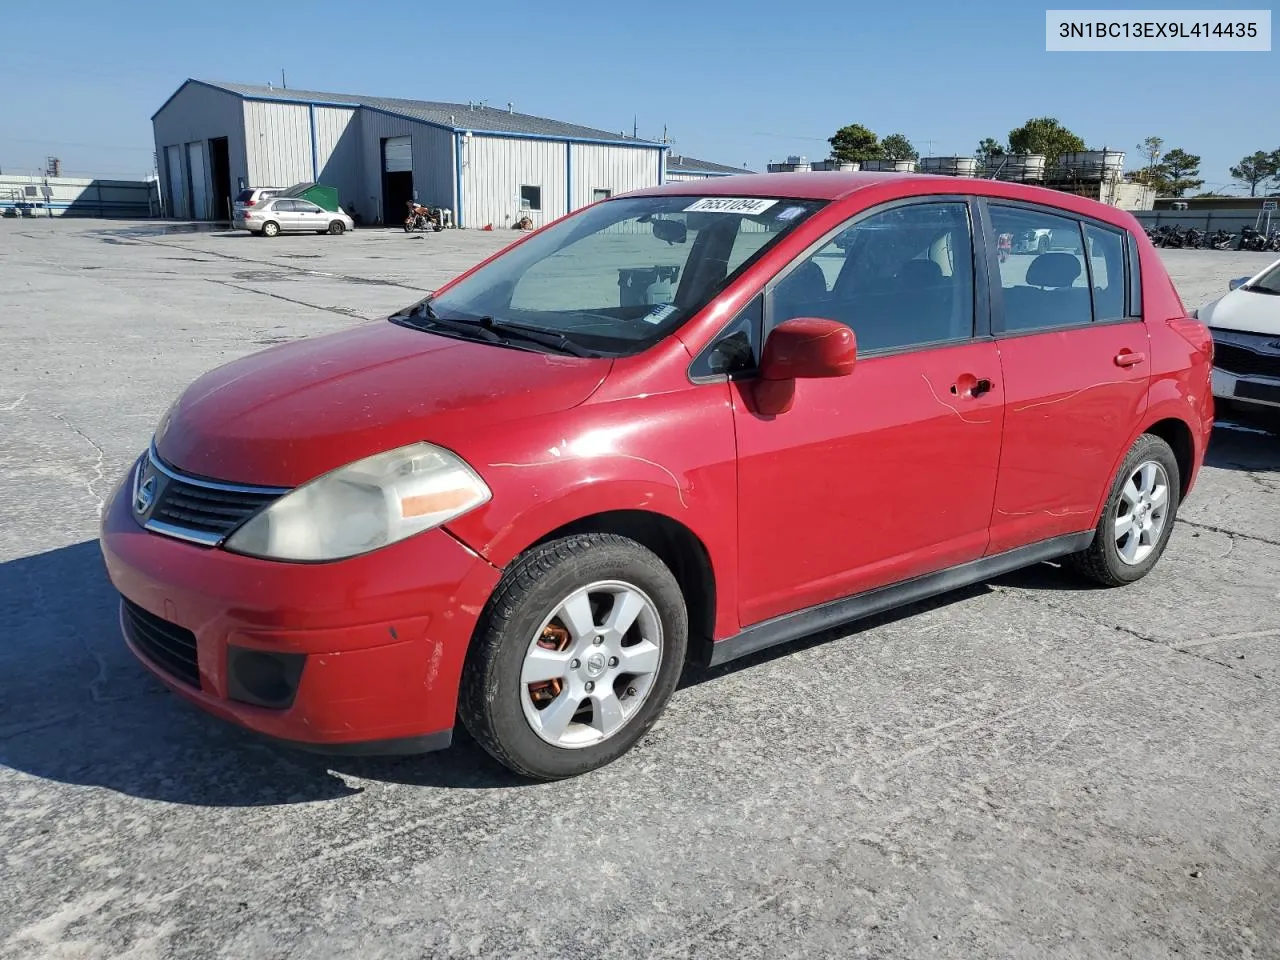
(741, 82)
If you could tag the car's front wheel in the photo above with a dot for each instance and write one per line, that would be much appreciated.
(1138, 518)
(577, 653)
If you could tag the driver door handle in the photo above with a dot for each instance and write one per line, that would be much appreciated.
(1127, 358)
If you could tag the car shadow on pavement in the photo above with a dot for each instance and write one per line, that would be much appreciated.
(77, 707)
(1244, 446)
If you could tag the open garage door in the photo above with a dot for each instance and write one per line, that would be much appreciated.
(199, 184)
(397, 177)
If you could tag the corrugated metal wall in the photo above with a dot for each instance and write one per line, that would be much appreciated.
(616, 169)
(278, 143)
(432, 160)
(79, 197)
(495, 168)
(198, 113)
(338, 150)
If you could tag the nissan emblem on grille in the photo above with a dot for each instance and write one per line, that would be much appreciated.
(144, 489)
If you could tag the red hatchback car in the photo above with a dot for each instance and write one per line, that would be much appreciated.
(692, 421)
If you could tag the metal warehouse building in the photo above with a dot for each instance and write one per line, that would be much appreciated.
(487, 165)
(687, 168)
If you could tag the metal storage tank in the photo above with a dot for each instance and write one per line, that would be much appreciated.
(950, 166)
(890, 166)
(841, 166)
(1092, 164)
(1019, 166)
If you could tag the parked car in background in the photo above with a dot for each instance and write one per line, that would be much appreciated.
(248, 199)
(291, 215)
(1245, 324)
(526, 499)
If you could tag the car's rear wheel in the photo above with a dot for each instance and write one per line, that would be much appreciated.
(336, 227)
(1138, 518)
(577, 653)
(270, 228)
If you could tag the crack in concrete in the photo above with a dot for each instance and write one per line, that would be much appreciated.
(340, 311)
(1128, 631)
(99, 475)
(9, 408)
(1229, 533)
(281, 266)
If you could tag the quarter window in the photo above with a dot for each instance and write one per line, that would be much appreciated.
(899, 278)
(1043, 277)
(530, 198)
(1106, 265)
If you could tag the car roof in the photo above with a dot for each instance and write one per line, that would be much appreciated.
(831, 185)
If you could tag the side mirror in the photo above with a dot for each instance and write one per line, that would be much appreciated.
(802, 348)
(1237, 283)
(672, 231)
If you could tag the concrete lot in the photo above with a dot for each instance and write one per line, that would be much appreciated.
(1025, 769)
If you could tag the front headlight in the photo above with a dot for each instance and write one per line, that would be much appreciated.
(363, 506)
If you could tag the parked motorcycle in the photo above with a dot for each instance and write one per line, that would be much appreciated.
(1221, 240)
(1195, 239)
(421, 218)
(1251, 239)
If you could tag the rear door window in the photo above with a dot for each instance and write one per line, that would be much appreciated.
(1044, 280)
(244, 196)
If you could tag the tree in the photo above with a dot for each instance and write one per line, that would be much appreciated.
(1046, 136)
(1256, 169)
(1151, 149)
(854, 143)
(897, 147)
(1179, 170)
(988, 148)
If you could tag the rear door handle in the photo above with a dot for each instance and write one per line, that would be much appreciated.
(969, 386)
(1127, 358)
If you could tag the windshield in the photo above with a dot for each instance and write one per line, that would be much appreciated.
(623, 274)
(1269, 282)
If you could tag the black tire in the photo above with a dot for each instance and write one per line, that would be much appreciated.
(490, 703)
(408, 226)
(270, 228)
(1101, 562)
(336, 228)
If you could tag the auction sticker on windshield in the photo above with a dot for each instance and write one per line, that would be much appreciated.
(743, 205)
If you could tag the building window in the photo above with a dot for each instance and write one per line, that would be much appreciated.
(530, 198)
(599, 194)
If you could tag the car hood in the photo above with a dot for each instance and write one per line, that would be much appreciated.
(1244, 311)
(290, 413)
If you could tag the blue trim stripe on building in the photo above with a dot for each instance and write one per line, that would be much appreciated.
(568, 177)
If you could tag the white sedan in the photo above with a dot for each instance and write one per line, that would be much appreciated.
(1246, 341)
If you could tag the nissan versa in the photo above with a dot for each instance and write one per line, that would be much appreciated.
(692, 421)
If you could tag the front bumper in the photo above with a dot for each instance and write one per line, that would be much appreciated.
(1247, 388)
(382, 637)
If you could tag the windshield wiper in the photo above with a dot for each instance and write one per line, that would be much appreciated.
(548, 338)
(495, 331)
(424, 312)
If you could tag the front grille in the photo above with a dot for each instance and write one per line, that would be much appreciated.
(170, 647)
(1236, 358)
(208, 510)
(177, 504)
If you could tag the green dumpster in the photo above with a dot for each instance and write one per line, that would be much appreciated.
(317, 193)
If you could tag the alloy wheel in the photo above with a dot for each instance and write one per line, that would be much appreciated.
(591, 664)
(1141, 513)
